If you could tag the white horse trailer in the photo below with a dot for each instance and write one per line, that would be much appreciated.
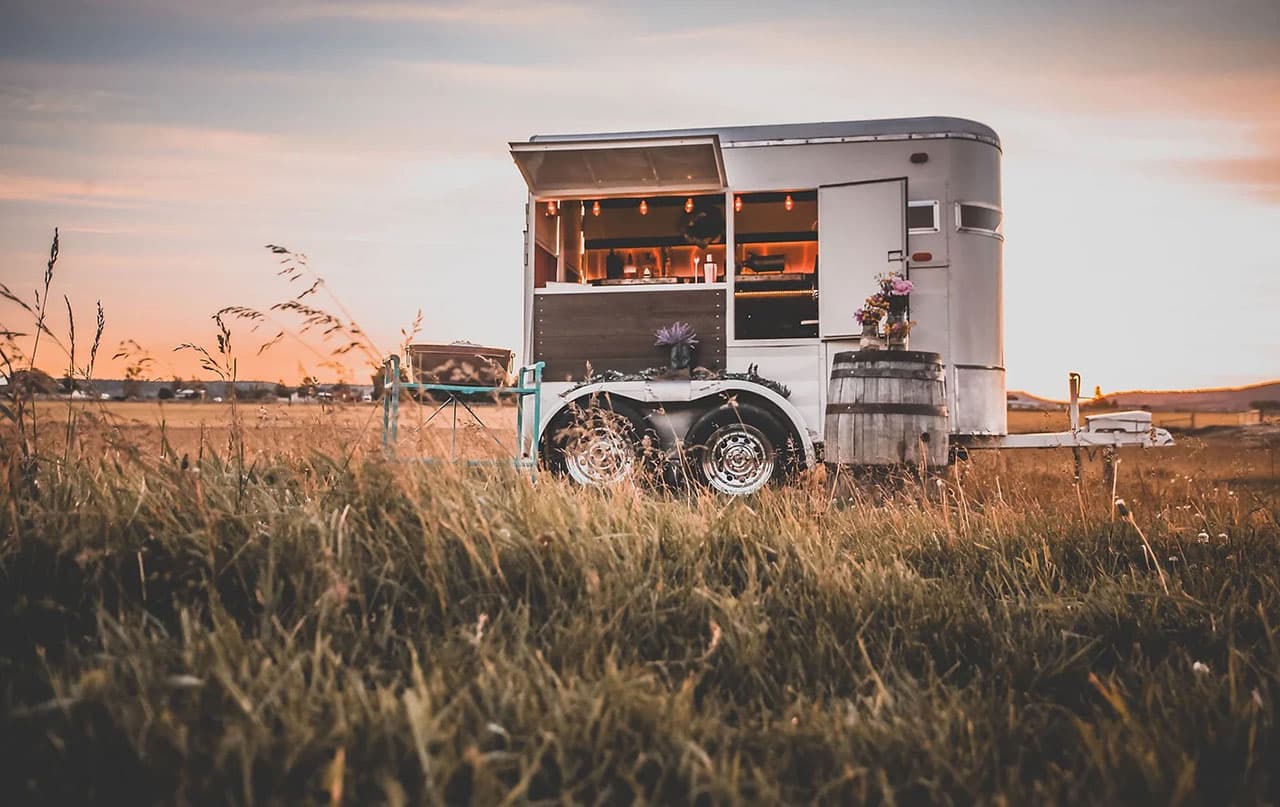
(722, 229)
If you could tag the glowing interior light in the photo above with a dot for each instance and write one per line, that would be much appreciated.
(644, 207)
(595, 208)
(551, 207)
(688, 205)
(789, 202)
(737, 204)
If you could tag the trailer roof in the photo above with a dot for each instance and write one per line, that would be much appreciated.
(730, 136)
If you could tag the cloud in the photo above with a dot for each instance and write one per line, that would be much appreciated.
(1257, 173)
(28, 188)
(472, 13)
(1260, 175)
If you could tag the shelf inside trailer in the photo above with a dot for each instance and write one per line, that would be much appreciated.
(801, 237)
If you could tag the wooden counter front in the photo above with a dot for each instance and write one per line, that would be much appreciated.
(613, 329)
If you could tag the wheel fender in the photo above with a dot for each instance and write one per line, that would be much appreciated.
(783, 409)
(577, 396)
(640, 393)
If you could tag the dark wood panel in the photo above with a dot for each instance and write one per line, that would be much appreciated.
(544, 266)
(614, 330)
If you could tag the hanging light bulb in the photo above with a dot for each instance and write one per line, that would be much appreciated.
(737, 204)
(595, 208)
(644, 207)
(788, 203)
(551, 207)
(688, 205)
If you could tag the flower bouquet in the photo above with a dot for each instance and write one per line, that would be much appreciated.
(681, 338)
(888, 306)
(896, 289)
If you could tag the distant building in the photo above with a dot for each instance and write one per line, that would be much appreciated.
(1023, 401)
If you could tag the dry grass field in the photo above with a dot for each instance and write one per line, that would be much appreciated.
(257, 605)
(1242, 457)
(188, 427)
(193, 612)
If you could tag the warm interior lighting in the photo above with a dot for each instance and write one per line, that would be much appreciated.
(737, 204)
(644, 207)
(688, 205)
(551, 207)
(789, 202)
(595, 208)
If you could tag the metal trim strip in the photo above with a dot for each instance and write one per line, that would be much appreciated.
(815, 141)
(886, 409)
(932, 373)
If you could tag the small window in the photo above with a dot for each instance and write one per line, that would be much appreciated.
(922, 217)
(979, 218)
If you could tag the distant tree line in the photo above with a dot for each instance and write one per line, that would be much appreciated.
(36, 381)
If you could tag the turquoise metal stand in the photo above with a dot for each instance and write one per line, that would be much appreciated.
(528, 382)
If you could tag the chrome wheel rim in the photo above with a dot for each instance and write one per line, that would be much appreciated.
(602, 454)
(738, 459)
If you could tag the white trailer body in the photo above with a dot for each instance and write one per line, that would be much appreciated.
(920, 196)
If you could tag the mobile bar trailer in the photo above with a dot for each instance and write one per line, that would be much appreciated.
(722, 230)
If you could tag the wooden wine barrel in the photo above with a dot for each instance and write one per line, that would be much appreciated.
(886, 407)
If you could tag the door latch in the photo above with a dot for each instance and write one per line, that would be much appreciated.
(896, 256)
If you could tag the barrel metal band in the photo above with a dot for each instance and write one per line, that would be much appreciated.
(886, 409)
(883, 356)
(930, 374)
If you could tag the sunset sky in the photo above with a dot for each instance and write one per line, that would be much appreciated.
(170, 141)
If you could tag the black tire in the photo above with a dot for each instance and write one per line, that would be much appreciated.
(738, 448)
(599, 440)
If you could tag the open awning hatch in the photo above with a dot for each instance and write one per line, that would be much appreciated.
(596, 168)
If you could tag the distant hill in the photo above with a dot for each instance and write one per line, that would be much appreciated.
(1225, 399)
(1019, 399)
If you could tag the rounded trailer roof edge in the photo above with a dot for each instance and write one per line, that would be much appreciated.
(791, 133)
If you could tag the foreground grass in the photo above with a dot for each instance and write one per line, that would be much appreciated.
(316, 632)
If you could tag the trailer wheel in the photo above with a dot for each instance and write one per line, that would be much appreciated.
(739, 448)
(598, 441)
